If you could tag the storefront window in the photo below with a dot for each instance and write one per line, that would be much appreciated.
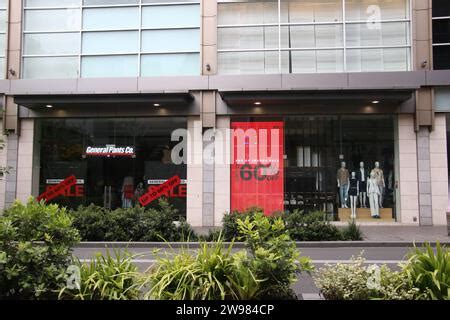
(313, 151)
(138, 159)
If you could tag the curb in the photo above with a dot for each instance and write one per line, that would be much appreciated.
(306, 244)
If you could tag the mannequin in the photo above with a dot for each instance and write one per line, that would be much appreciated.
(353, 192)
(127, 192)
(139, 191)
(380, 181)
(362, 179)
(373, 191)
(343, 184)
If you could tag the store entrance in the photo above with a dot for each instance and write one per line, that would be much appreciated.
(110, 182)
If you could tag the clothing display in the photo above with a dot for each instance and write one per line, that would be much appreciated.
(378, 176)
(127, 192)
(343, 193)
(343, 176)
(353, 188)
(373, 192)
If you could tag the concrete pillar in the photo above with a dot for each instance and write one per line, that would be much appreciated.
(407, 192)
(222, 177)
(424, 175)
(209, 37)
(3, 157)
(439, 170)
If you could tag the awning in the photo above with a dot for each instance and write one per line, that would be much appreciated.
(169, 99)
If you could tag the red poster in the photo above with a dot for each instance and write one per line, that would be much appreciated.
(159, 191)
(257, 170)
(58, 190)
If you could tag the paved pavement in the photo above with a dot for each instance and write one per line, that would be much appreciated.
(305, 286)
(404, 233)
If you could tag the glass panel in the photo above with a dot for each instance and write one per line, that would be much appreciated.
(441, 8)
(387, 34)
(109, 66)
(51, 3)
(52, 20)
(170, 1)
(3, 4)
(441, 56)
(170, 64)
(320, 61)
(316, 36)
(2, 68)
(171, 16)
(2, 45)
(251, 62)
(368, 60)
(311, 11)
(248, 12)
(3, 23)
(171, 40)
(441, 31)
(111, 18)
(52, 43)
(250, 38)
(107, 2)
(50, 68)
(110, 42)
(368, 10)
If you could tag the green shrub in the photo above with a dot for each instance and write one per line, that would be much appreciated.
(131, 224)
(230, 229)
(274, 255)
(106, 278)
(350, 281)
(30, 270)
(311, 226)
(352, 232)
(430, 271)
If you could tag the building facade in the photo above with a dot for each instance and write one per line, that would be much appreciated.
(109, 91)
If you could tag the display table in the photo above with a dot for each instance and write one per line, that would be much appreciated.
(363, 214)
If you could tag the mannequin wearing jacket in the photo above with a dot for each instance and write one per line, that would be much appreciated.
(373, 192)
(380, 181)
(342, 183)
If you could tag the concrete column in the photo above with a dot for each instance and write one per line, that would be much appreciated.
(439, 170)
(422, 35)
(194, 201)
(11, 163)
(424, 174)
(407, 193)
(25, 160)
(209, 37)
(222, 195)
(3, 157)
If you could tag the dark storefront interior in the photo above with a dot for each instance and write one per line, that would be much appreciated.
(112, 181)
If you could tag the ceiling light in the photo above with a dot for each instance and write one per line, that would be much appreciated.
(49, 106)
(375, 102)
(156, 105)
(257, 103)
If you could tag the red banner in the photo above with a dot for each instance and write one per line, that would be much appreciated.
(159, 191)
(257, 170)
(58, 190)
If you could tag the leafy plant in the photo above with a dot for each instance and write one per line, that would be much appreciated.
(106, 278)
(230, 229)
(430, 271)
(31, 270)
(274, 255)
(350, 281)
(311, 226)
(352, 232)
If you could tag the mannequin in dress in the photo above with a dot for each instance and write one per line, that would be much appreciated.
(353, 192)
(127, 192)
(362, 176)
(373, 192)
(343, 184)
(380, 181)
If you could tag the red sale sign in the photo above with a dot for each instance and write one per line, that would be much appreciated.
(59, 189)
(257, 170)
(159, 191)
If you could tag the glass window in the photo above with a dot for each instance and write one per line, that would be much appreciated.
(441, 57)
(171, 16)
(2, 45)
(248, 12)
(297, 11)
(320, 61)
(441, 34)
(441, 31)
(252, 62)
(170, 64)
(389, 34)
(51, 3)
(108, 2)
(110, 42)
(52, 20)
(441, 8)
(111, 18)
(51, 43)
(318, 36)
(363, 10)
(369, 60)
(50, 67)
(109, 66)
(3, 23)
(171, 40)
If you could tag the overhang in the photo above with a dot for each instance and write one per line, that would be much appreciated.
(88, 101)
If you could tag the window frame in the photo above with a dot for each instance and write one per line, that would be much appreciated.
(344, 23)
(140, 29)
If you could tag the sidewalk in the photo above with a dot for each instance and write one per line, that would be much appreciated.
(404, 233)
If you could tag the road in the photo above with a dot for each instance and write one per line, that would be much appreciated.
(305, 287)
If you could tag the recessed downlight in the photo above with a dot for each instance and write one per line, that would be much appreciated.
(375, 102)
(49, 106)
(156, 105)
(257, 103)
